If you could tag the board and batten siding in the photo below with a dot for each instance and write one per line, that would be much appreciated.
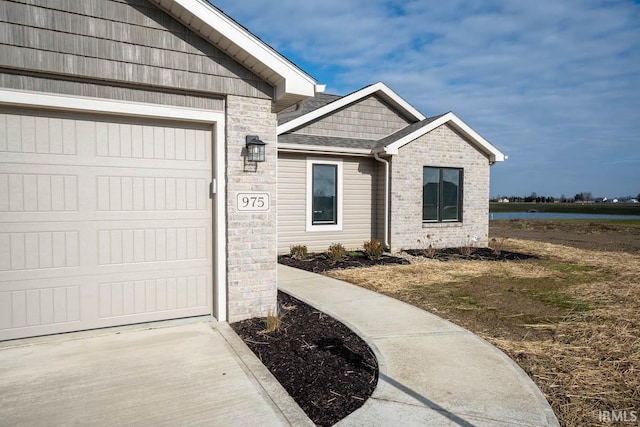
(130, 42)
(370, 118)
(359, 204)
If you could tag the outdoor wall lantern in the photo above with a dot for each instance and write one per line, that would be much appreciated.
(255, 149)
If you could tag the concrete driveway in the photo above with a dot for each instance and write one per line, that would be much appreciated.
(168, 373)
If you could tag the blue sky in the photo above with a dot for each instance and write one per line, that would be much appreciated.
(553, 84)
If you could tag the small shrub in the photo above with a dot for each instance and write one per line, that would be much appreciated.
(496, 245)
(429, 252)
(469, 248)
(273, 321)
(373, 249)
(336, 252)
(428, 249)
(298, 252)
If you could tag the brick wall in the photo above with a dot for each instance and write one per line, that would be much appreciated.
(251, 236)
(442, 147)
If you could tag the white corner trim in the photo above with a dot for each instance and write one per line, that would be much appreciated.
(121, 108)
(310, 227)
(220, 223)
(319, 149)
(495, 155)
(379, 87)
(295, 81)
(20, 98)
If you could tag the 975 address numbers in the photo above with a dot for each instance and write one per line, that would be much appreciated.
(258, 202)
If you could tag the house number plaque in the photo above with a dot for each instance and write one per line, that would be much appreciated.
(253, 202)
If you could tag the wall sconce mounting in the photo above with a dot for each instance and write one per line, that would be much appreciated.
(255, 148)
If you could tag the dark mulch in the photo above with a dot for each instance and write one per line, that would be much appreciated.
(320, 262)
(325, 367)
(480, 254)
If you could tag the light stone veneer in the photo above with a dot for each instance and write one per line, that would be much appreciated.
(442, 147)
(251, 236)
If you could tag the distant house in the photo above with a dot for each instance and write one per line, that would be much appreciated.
(370, 166)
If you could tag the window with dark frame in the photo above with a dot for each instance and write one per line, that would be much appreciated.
(325, 194)
(441, 194)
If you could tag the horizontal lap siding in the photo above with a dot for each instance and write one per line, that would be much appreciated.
(359, 204)
(132, 42)
(380, 193)
(371, 118)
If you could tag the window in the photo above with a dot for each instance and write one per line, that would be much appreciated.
(324, 195)
(441, 194)
(325, 189)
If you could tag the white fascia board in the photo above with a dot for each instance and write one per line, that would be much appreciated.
(21, 98)
(495, 155)
(294, 80)
(380, 87)
(317, 149)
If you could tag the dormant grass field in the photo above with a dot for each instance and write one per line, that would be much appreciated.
(570, 319)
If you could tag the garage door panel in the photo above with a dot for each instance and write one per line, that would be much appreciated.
(64, 304)
(35, 303)
(26, 190)
(144, 295)
(103, 222)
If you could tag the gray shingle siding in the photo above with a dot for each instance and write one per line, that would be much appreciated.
(370, 118)
(129, 42)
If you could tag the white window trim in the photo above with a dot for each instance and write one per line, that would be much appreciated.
(309, 199)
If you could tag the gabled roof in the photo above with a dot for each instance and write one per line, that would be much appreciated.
(392, 143)
(379, 89)
(323, 105)
(291, 84)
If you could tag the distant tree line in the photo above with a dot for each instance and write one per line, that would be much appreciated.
(533, 197)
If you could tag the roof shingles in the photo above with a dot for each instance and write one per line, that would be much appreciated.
(307, 106)
(326, 141)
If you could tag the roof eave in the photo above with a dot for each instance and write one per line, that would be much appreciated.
(291, 84)
(320, 149)
(379, 88)
(450, 118)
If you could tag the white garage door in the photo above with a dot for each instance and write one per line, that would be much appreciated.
(103, 221)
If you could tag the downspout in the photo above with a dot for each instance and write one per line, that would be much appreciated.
(386, 198)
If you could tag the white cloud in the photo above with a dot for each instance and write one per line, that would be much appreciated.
(548, 82)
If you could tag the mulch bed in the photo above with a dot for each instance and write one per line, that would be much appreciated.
(320, 262)
(476, 254)
(325, 367)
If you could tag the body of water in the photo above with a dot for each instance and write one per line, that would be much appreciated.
(552, 215)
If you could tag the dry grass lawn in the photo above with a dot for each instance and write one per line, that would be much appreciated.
(571, 319)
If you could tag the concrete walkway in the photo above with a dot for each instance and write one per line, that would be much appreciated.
(432, 372)
(187, 372)
(199, 372)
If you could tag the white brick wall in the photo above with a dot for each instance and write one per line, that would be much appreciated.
(442, 147)
(251, 236)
